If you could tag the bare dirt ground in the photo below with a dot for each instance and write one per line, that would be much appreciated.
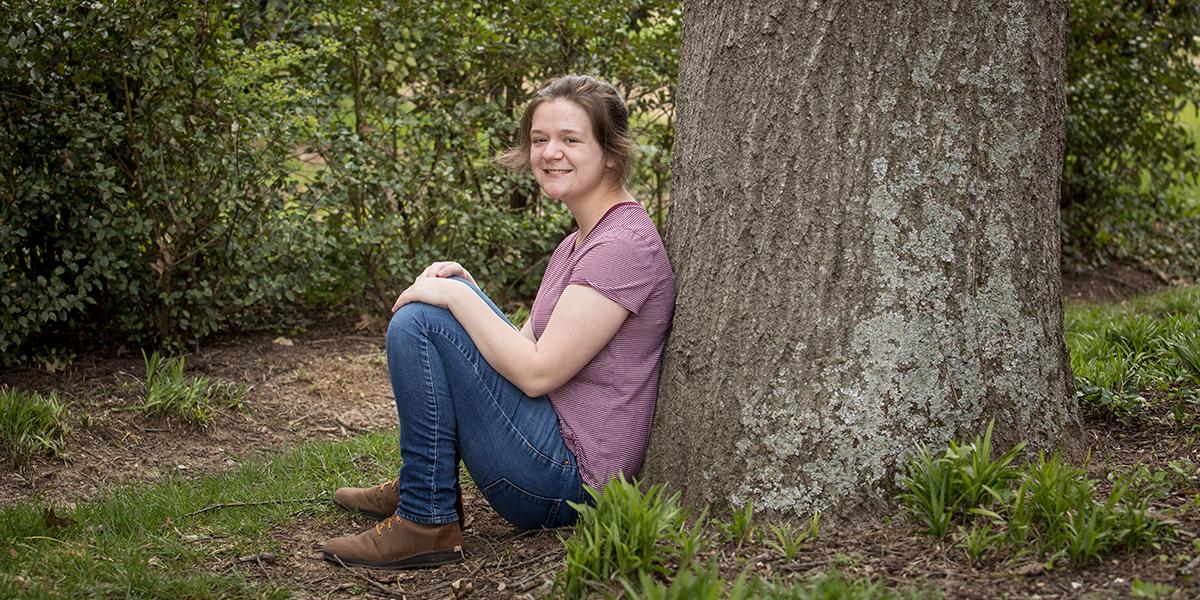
(1113, 283)
(331, 383)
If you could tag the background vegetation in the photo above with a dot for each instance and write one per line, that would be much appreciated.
(171, 170)
(1130, 191)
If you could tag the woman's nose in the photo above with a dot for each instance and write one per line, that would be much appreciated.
(552, 150)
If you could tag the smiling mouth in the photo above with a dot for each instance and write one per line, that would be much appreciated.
(557, 171)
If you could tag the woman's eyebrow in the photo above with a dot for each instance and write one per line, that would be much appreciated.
(566, 130)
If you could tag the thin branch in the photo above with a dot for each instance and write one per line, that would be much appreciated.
(260, 503)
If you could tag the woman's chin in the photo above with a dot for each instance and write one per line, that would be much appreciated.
(554, 193)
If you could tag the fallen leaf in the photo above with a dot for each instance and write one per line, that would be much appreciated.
(153, 562)
(12, 552)
(368, 322)
(1030, 569)
(461, 588)
(282, 341)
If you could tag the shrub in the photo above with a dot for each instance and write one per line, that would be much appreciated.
(144, 176)
(169, 170)
(1129, 70)
(31, 424)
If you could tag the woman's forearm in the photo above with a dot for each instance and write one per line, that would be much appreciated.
(512, 355)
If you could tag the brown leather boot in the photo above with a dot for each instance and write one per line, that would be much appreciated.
(379, 502)
(397, 543)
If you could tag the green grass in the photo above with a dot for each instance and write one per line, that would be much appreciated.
(138, 541)
(639, 543)
(1130, 357)
(963, 478)
(628, 532)
(707, 584)
(169, 392)
(1047, 508)
(787, 540)
(31, 423)
(740, 528)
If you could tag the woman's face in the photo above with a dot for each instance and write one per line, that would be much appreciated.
(566, 160)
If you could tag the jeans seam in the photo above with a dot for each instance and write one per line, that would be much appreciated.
(492, 398)
(431, 404)
(554, 506)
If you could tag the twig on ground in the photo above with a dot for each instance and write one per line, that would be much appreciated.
(354, 428)
(523, 563)
(257, 558)
(355, 338)
(520, 586)
(260, 503)
(379, 587)
(337, 588)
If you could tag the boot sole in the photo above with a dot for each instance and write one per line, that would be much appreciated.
(419, 561)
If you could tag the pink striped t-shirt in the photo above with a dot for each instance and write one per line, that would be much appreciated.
(605, 411)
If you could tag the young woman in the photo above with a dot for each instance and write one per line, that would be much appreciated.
(539, 413)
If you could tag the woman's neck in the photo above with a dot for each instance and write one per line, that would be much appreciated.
(588, 212)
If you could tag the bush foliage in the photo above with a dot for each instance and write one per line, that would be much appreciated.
(1129, 179)
(169, 170)
(144, 176)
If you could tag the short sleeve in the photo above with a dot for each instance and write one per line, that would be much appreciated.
(619, 265)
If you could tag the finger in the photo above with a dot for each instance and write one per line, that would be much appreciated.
(432, 270)
(402, 299)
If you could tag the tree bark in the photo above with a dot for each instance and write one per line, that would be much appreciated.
(865, 231)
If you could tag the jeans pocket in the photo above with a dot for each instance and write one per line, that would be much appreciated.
(521, 508)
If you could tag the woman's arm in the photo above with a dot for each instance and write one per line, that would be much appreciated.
(527, 329)
(583, 322)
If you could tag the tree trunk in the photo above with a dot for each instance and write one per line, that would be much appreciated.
(865, 231)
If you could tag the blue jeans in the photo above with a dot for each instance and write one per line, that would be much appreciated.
(452, 404)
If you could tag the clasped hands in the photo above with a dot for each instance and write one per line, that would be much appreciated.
(433, 285)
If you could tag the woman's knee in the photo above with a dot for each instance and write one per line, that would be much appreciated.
(414, 318)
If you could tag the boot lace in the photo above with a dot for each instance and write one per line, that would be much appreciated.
(388, 484)
(392, 520)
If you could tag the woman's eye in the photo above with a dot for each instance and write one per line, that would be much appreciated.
(572, 140)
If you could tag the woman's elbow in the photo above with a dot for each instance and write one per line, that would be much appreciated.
(538, 377)
(535, 389)
(538, 384)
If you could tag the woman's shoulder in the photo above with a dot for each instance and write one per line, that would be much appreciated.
(629, 224)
